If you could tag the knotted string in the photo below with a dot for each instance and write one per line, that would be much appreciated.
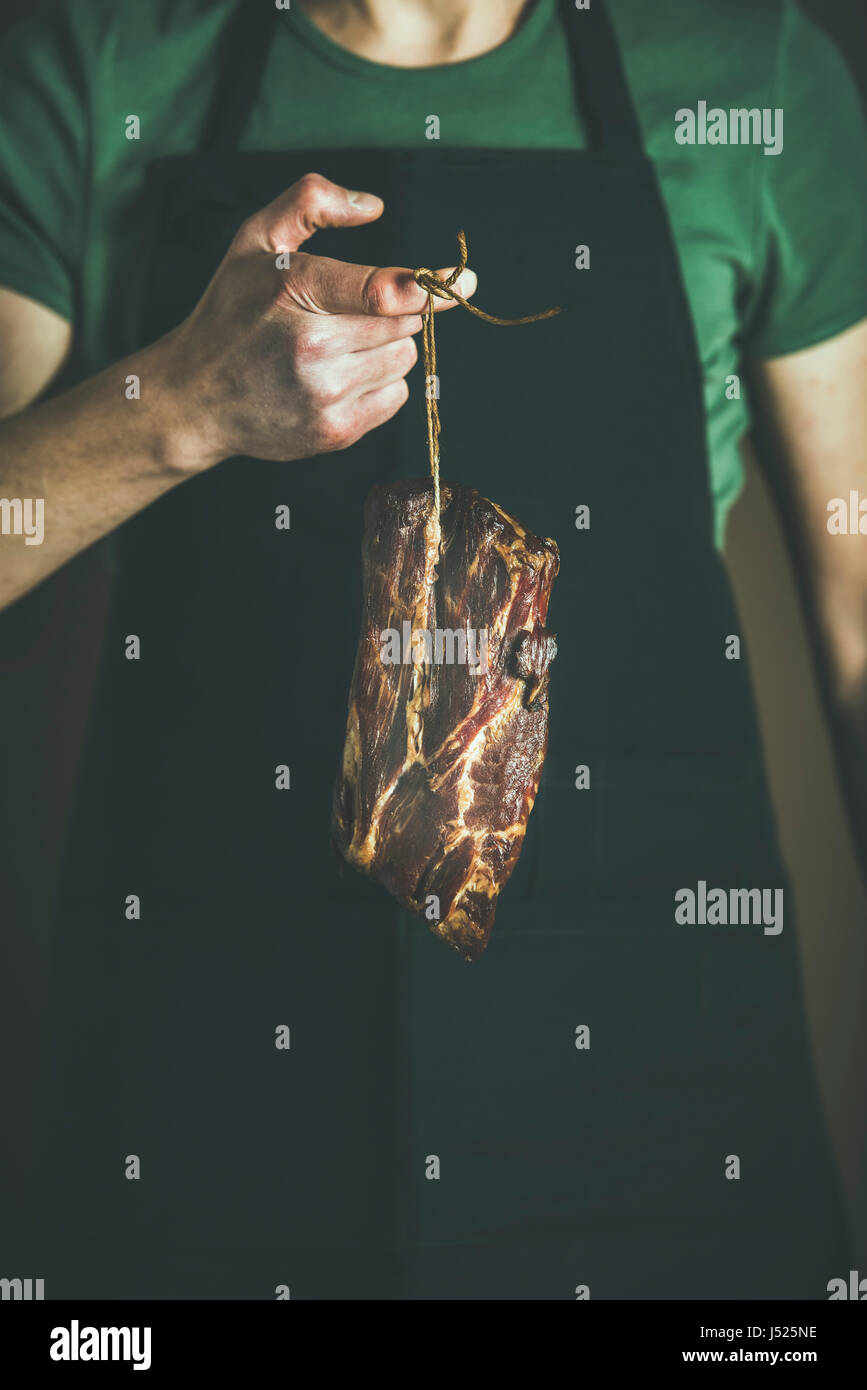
(442, 289)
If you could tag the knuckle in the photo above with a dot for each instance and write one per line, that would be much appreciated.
(310, 346)
(393, 399)
(389, 403)
(310, 186)
(409, 353)
(328, 391)
(333, 432)
(317, 391)
(378, 295)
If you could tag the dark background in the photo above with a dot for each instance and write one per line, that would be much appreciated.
(49, 644)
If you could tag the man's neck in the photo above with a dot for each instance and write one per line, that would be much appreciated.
(417, 33)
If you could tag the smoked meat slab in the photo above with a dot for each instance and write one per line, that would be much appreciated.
(443, 755)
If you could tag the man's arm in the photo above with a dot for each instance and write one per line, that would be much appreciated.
(274, 362)
(813, 433)
(34, 344)
(91, 459)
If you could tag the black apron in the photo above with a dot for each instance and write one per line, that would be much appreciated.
(313, 1166)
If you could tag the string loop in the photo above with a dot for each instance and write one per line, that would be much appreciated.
(438, 288)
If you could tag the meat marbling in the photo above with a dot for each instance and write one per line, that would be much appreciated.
(442, 760)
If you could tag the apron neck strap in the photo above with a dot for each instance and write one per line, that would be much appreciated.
(243, 53)
(600, 81)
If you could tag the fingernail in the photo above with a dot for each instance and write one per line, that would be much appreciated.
(365, 202)
(466, 283)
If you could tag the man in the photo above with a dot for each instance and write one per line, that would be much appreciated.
(434, 1137)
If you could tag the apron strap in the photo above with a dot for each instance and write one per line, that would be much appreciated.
(243, 57)
(600, 81)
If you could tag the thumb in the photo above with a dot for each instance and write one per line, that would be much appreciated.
(312, 202)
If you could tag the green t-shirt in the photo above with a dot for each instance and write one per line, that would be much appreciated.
(773, 247)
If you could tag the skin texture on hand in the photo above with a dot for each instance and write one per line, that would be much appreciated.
(277, 361)
(282, 362)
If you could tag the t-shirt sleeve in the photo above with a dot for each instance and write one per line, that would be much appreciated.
(43, 158)
(810, 230)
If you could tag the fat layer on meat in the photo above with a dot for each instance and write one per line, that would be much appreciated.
(442, 759)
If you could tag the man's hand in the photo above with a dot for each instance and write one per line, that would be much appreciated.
(283, 361)
(276, 361)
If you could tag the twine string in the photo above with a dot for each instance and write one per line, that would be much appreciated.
(442, 289)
